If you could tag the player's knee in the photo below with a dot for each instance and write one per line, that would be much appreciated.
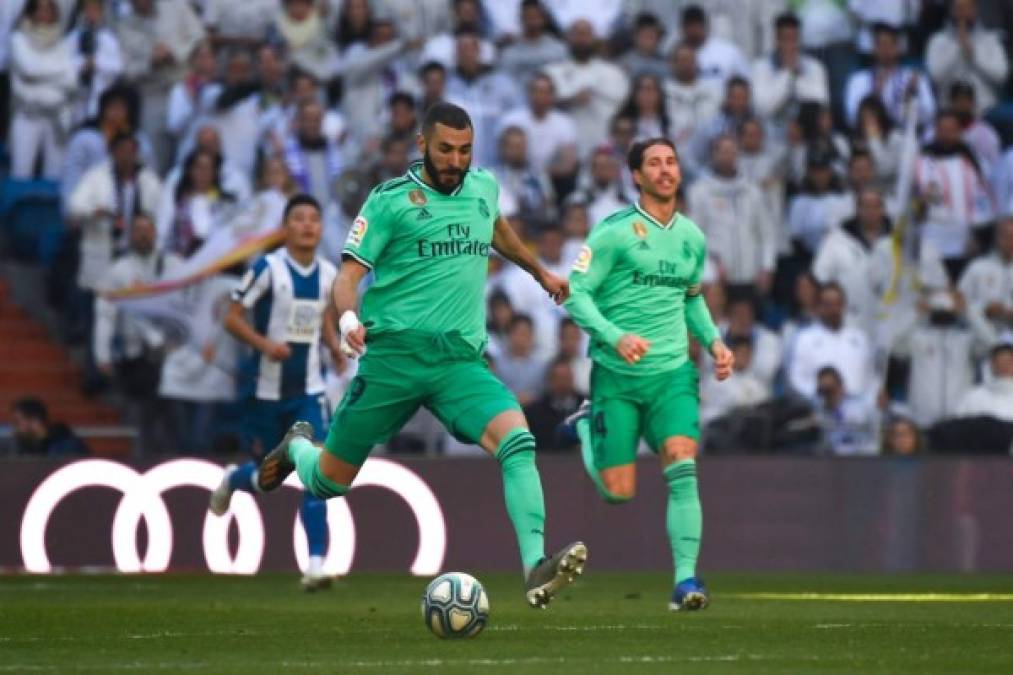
(620, 486)
(679, 448)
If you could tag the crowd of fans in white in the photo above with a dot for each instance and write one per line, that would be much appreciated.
(164, 119)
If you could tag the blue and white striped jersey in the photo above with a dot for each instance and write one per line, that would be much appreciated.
(287, 301)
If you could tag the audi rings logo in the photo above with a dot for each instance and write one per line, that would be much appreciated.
(142, 499)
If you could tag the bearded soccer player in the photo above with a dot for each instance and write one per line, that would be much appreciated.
(286, 292)
(427, 237)
(636, 290)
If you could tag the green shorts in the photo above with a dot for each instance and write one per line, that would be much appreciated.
(398, 375)
(656, 407)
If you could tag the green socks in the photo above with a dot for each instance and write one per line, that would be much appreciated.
(587, 454)
(684, 517)
(522, 490)
(306, 458)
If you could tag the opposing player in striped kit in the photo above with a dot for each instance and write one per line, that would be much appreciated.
(287, 293)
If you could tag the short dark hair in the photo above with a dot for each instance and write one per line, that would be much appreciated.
(447, 114)
(647, 20)
(694, 14)
(403, 98)
(881, 27)
(830, 370)
(635, 158)
(430, 66)
(32, 408)
(301, 199)
(786, 20)
(736, 81)
(736, 341)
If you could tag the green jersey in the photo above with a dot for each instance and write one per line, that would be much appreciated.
(429, 253)
(637, 275)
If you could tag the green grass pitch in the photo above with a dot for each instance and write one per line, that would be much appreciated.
(608, 623)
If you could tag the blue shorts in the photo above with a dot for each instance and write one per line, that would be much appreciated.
(265, 422)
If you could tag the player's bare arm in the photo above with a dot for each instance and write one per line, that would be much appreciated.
(632, 347)
(345, 297)
(508, 244)
(238, 326)
(724, 359)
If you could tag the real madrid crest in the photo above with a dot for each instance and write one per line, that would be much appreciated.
(417, 197)
(639, 229)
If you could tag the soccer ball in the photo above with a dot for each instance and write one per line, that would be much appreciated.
(455, 606)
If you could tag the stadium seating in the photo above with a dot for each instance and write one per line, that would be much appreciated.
(32, 219)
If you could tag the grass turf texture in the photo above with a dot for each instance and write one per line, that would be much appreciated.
(609, 623)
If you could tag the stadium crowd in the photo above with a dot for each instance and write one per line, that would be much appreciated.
(862, 322)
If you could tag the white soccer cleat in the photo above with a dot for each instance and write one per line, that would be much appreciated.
(315, 582)
(553, 574)
(220, 499)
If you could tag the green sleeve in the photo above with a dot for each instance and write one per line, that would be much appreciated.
(591, 268)
(371, 230)
(698, 316)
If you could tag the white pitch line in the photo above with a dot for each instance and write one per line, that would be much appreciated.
(876, 597)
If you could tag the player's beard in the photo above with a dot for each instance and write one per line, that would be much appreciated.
(434, 175)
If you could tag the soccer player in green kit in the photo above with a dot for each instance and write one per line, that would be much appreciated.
(635, 289)
(427, 237)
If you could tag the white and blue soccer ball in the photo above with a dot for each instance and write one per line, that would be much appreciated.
(455, 606)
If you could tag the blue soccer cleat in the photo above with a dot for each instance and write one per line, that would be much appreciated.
(689, 595)
(566, 432)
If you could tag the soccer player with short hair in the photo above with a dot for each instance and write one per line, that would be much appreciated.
(636, 290)
(427, 237)
(287, 292)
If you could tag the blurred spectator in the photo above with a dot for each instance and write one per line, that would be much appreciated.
(313, 159)
(197, 207)
(762, 162)
(748, 25)
(646, 56)
(787, 77)
(89, 146)
(902, 438)
(817, 206)
(192, 98)
(731, 211)
(646, 105)
(416, 19)
(484, 92)
(370, 73)
(127, 347)
(34, 434)
(764, 344)
(237, 112)
(299, 26)
(271, 94)
(743, 389)
(442, 47)
(602, 187)
(355, 23)
(889, 80)
(735, 110)
(993, 398)
(987, 286)
(547, 412)
(433, 76)
(588, 86)
(719, 59)
(234, 179)
(527, 186)
(551, 133)
(156, 38)
(97, 58)
(535, 48)
(941, 366)
(850, 422)
(978, 134)
(573, 348)
(43, 81)
(576, 227)
(303, 88)
(846, 253)
(876, 134)
(813, 133)
(238, 23)
(500, 313)
(955, 196)
(804, 311)
(692, 102)
(527, 295)
(965, 50)
(521, 370)
(395, 157)
(830, 342)
(339, 214)
(601, 15)
(403, 119)
(105, 202)
(870, 14)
